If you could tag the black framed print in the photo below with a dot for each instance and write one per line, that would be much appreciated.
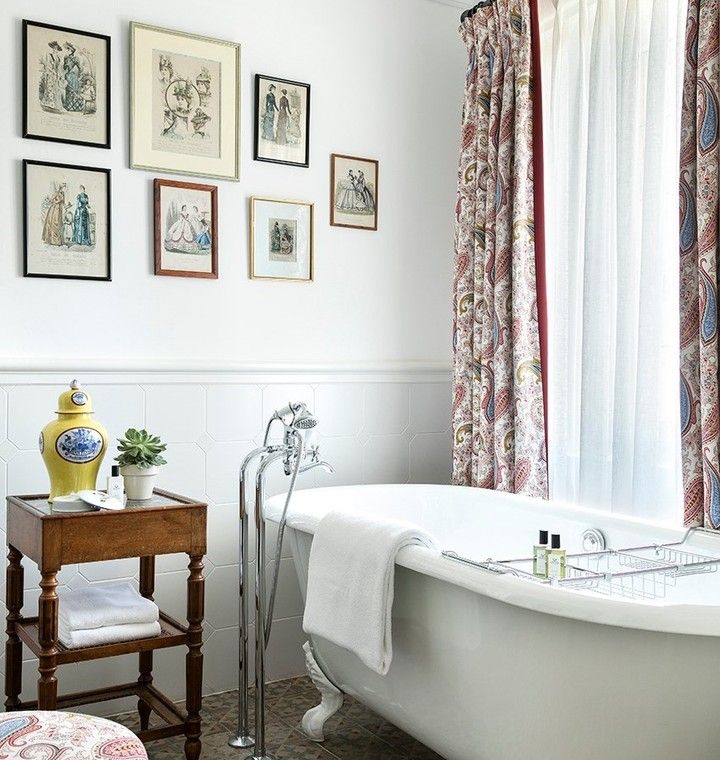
(66, 85)
(66, 215)
(282, 121)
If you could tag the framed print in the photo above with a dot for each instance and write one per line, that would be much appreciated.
(66, 212)
(281, 239)
(353, 192)
(185, 229)
(184, 103)
(282, 121)
(66, 85)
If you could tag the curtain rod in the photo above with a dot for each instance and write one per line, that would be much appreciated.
(471, 11)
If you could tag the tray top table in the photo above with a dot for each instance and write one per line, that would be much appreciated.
(165, 524)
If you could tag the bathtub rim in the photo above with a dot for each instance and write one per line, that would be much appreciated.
(649, 615)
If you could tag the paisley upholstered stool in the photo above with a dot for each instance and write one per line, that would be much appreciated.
(66, 736)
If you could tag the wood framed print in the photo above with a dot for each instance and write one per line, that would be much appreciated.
(66, 211)
(353, 192)
(184, 103)
(185, 229)
(281, 239)
(282, 121)
(66, 85)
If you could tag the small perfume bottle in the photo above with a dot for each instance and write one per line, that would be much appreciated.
(555, 559)
(540, 555)
(115, 484)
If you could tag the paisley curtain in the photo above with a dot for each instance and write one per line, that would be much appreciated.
(699, 218)
(498, 416)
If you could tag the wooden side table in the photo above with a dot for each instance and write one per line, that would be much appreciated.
(165, 524)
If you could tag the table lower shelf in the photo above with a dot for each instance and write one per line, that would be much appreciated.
(158, 702)
(171, 634)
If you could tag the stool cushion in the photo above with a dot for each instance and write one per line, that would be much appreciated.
(70, 736)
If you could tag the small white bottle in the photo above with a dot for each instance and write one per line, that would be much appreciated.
(115, 483)
(555, 559)
(540, 555)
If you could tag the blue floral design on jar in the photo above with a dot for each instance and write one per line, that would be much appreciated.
(79, 398)
(79, 445)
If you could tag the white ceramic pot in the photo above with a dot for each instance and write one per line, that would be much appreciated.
(139, 482)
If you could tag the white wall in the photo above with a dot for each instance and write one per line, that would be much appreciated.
(386, 83)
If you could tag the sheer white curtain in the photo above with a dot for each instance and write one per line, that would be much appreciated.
(612, 78)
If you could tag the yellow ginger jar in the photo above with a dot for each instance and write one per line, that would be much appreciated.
(73, 445)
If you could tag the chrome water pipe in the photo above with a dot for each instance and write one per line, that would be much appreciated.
(243, 738)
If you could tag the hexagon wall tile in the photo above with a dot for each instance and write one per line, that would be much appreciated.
(234, 412)
(175, 412)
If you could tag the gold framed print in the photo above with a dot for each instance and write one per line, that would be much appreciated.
(184, 103)
(281, 239)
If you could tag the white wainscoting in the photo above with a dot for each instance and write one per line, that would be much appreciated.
(378, 424)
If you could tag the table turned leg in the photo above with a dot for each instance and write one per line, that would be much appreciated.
(48, 631)
(194, 659)
(13, 646)
(147, 589)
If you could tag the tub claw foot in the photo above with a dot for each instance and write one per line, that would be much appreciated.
(330, 702)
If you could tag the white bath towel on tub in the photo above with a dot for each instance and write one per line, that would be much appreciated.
(351, 583)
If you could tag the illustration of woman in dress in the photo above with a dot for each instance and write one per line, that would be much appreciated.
(294, 129)
(181, 235)
(268, 119)
(286, 241)
(283, 120)
(365, 198)
(49, 85)
(72, 100)
(81, 220)
(275, 237)
(52, 232)
(346, 195)
(204, 240)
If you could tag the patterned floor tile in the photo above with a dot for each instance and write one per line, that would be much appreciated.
(353, 733)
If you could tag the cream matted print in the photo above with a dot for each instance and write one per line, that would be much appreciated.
(184, 103)
(66, 85)
(66, 211)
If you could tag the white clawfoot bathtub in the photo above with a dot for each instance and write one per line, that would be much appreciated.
(492, 667)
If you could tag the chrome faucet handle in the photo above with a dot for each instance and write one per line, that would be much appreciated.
(313, 453)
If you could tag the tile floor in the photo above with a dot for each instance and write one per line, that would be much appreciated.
(354, 733)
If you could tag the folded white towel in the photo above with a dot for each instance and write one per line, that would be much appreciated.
(109, 634)
(107, 604)
(351, 583)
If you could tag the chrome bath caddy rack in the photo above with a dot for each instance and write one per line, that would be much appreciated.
(638, 572)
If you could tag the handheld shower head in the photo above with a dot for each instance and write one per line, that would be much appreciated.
(296, 417)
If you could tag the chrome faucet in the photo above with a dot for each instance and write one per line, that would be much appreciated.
(296, 459)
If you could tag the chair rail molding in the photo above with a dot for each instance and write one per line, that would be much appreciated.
(39, 370)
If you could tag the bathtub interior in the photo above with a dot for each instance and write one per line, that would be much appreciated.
(482, 525)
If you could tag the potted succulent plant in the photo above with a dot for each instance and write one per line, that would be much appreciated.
(140, 456)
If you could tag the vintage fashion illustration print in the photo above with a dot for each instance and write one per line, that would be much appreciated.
(184, 103)
(282, 121)
(281, 239)
(353, 192)
(282, 235)
(66, 85)
(185, 229)
(67, 221)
